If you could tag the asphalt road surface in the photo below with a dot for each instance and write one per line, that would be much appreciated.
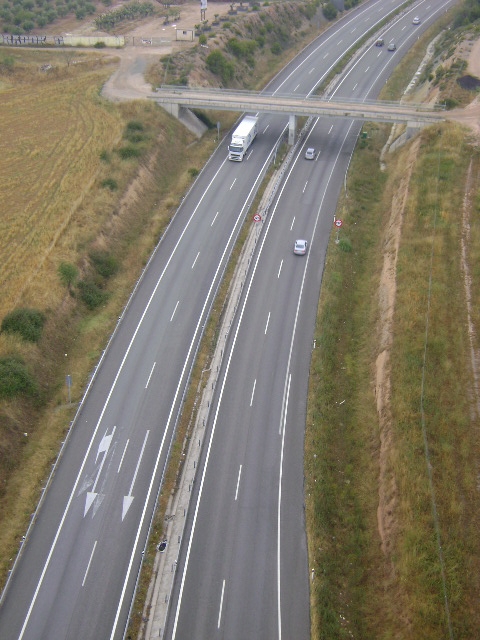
(245, 565)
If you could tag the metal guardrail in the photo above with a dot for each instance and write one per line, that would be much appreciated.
(276, 95)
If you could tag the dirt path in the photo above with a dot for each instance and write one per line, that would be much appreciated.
(128, 82)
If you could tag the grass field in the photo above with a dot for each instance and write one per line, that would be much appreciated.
(54, 127)
(392, 496)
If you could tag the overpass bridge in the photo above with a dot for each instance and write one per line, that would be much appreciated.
(174, 99)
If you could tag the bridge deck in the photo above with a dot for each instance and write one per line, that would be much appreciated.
(250, 101)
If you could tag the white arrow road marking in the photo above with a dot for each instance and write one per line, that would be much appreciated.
(127, 500)
(102, 448)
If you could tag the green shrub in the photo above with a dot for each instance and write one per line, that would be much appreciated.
(128, 152)
(15, 379)
(105, 156)
(110, 183)
(28, 323)
(91, 295)
(345, 245)
(100, 45)
(134, 137)
(202, 39)
(329, 11)
(193, 172)
(68, 273)
(219, 65)
(276, 49)
(105, 264)
(241, 48)
(450, 103)
(135, 125)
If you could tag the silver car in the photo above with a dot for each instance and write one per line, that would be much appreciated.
(310, 153)
(300, 247)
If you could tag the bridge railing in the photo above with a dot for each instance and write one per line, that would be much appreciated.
(313, 99)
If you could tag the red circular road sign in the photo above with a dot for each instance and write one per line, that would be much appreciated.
(257, 217)
(338, 223)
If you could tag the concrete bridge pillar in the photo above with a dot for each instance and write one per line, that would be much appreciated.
(292, 130)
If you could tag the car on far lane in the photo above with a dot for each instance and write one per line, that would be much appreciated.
(310, 153)
(416, 20)
(300, 247)
(392, 46)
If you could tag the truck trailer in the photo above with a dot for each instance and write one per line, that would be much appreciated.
(242, 138)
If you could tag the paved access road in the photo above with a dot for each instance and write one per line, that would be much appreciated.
(76, 575)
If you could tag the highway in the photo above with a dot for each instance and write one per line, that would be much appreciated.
(246, 559)
(245, 568)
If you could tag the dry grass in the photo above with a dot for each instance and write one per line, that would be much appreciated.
(359, 590)
(54, 127)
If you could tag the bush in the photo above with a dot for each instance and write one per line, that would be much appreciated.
(219, 65)
(202, 39)
(276, 49)
(105, 156)
(135, 125)
(193, 172)
(15, 379)
(68, 273)
(241, 48)
(99, 45)
(345, 245)
(134, 137)
(110, 183)
(105, 264)
(26, 322)
(129, 152)
(91, 295)
(450, 103)
(329, 11)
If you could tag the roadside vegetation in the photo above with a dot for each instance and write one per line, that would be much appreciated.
(392, 450)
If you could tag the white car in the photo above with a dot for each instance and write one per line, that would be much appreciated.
(416, 20)
(310, 153)
(300, 247)
(392, 46)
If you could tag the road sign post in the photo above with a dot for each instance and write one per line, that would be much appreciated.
(338, 223)
(69, 386)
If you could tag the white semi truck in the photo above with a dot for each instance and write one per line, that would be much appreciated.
(242, 138)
